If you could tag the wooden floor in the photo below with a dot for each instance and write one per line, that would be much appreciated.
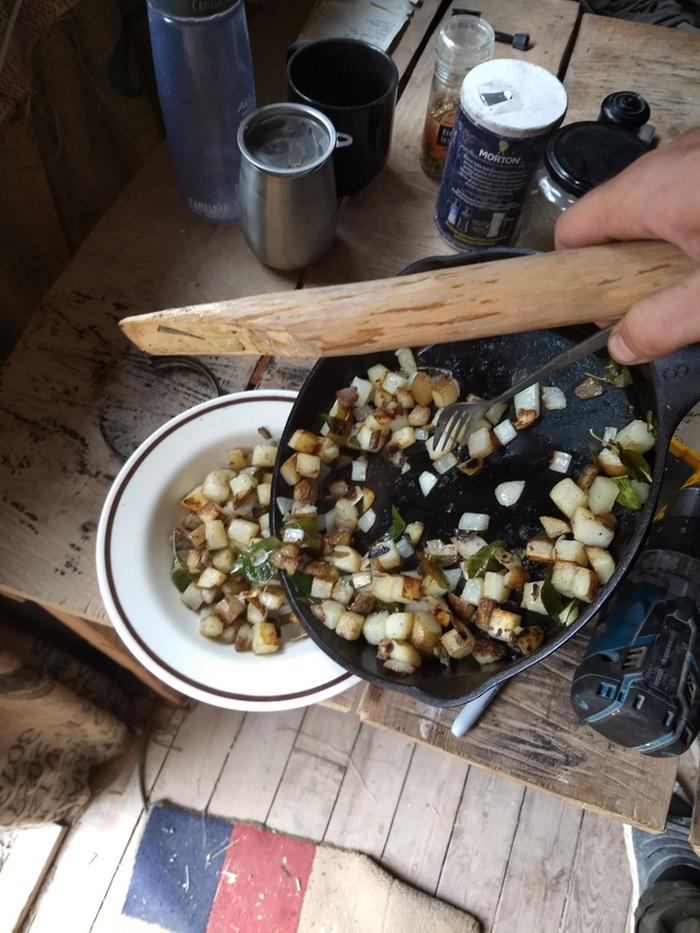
(519, 859)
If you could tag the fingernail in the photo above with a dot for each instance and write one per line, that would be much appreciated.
(620, 351)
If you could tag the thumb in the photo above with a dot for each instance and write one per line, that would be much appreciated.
(659, 324)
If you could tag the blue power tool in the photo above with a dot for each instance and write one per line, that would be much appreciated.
(639, 682)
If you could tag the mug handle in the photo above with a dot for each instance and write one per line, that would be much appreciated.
(343, 140)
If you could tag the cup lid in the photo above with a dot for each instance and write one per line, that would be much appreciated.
(286, 138)
(585, 154)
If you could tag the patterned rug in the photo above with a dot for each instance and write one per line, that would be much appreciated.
(198, 874)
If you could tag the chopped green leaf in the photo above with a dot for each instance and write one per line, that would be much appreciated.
(255, 560)
(397, 527)
(614, 375)
(568, 611)
(379, 606)
(627, 496)
(301, 582)
(310, 535)
(431, 568)
(552, 600)
(179, 571)
(635, 464)
(479, 563)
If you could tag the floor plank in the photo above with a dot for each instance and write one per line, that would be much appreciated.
(472, 873)
(600, 887)
(534, 889)
(425, 815)
(372, 786)
(22, 870)
(254, 768)
(308, 791)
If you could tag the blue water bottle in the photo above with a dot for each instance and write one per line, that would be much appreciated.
(205, 81)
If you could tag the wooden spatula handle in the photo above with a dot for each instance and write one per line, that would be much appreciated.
(598, 283)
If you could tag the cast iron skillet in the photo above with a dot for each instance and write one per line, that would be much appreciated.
(668, 388)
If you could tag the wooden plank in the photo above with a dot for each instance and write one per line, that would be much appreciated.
(22, 870)
(664, 67)
(425, 814)
(348, 701)
(535, 885)
(472, 874)
(600, 887)
(315, 770)
(260, 752)
(531, 734)
(106, 640)
(417, 31)
(390, 223)
(367, 800)
(193, 765)
(95, 845)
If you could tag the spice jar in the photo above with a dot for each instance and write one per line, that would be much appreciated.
(578, 157)
(463, 42)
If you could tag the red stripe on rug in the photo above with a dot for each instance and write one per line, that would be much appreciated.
(262, 883)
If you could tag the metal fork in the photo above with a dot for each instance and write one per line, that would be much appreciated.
(455, 421)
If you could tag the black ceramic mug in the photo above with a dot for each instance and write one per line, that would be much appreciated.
(354, 84)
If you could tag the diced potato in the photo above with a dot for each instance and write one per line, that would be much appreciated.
(263, 455)
(532, 598)
(322, 587)
(403, 438)
(306, 490)
(398, 656)
(540, 549)
(610, 463)
(308, 465)
(329, 612)
(572, 551)
(237, 458)
(368, 497)
(196, 499)
(255, 611)
(593, 530)
(426, 632)
(264, 492)
(563, 574)
(473, 591)
(215, 485)
(210, 577)
(392, 382)
(350, 625)
(602, 562)
(272, 599)
(327, 450)
(482, 443)
(289, 472)
(192, 597)
(431, 586)
(456, 645)
(486, 652)
(399, 625)
(198, 536)
(414, 531)
(587, 475)
(602, 495)
(241, 532)
(405, 399)
(574, 582)
(364, 390)
(346, 515)
(421, 386)
(554, 527)
(407, 360)
(343, 591)
(585, 585)
(345, 558)
(483, 613)
(505, 432)
(244, 637)
(503, 624)
(567, 496)
(264, 522)
(211, 626)
(495, 587)
(636, 436)
(265, 639)
(516, 578)
(216, 537)
(241, 487)
(229, 609)
(304, 442)
(369, 438)
(419, 416)
(377, 373)
(210, 594)
(445, 390)
(529, 640)
(373, 627)
(224, 559)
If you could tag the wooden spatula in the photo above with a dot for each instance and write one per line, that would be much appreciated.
(598, 283)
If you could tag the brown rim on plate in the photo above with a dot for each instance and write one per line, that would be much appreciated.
(254, 397)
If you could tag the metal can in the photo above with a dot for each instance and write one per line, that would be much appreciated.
(507, 111)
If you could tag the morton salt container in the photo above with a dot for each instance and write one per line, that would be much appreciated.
(507, 111)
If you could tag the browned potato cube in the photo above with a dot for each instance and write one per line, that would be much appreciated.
(458, 646)
(421, 387)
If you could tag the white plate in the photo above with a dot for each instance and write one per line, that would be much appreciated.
(133, 565)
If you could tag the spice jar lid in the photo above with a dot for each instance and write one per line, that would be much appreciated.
(582, 155)
(625, 108)
(286, 139)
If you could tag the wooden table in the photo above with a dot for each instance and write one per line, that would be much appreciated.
(74, 394)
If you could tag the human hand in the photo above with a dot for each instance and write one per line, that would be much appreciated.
(656, 198)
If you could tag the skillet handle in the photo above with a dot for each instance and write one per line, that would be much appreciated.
(677, 381)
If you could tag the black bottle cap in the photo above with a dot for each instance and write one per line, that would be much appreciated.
(625, 108)
(192, 9)
(582, 155)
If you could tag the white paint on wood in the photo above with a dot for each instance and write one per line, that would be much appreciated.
(22, 869)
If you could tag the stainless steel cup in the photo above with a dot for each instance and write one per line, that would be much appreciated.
(287, 186)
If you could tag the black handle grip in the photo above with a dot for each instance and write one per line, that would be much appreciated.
(677, 387)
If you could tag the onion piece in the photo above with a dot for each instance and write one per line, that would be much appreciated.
(426, 481)
(453, 576)
(445, 463)
(508, 494)
(474, 521)
(359, 470)
(361, 579)
(609, 434)
(404, 547)
(553, 398)
(364, 390)
(366, 520)
(284, 505)
(505, 432)
(422, 434)
(560, 462)
(528, 400)
(407, 361)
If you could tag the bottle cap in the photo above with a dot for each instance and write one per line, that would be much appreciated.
(192, 9)
(582, 155)
(464, 41)
(625, 108)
